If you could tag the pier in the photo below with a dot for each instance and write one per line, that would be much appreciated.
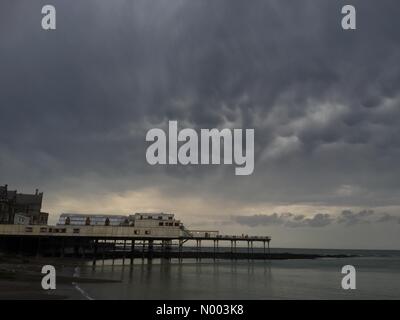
(127, 243)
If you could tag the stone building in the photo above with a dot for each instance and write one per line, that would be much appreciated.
(14, 205)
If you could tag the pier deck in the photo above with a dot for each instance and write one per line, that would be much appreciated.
(113, 243)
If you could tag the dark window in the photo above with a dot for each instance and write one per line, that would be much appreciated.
(76, 230)
(160, 224)
(43, 229)
(147, 232)
(169, 218)
(28, 229)
(176, 224)
(136, 232)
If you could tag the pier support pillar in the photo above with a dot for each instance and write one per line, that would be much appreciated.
(103, 250)
(62, 248)
(94, 252)
(214, 248)
(132, 250)
(180, 250)
(150, 249)
(123, 255)
(38, 249)
(113, 251)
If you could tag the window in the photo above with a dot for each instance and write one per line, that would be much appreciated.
(43, 230)
(169, 218)
(76, 231)
(136, 232)
(170, 224)
(176, 224)
(159, 217)
(63, 230)
(147, 232)
(28, 229)
(160, 224)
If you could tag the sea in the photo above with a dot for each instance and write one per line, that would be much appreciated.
(377, 277)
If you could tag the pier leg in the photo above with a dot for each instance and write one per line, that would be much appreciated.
(83, 249)
(214, 250)
(54, 249)
(199, 253)
(123, 256)
(20, 245)
(132, 250)
(163, 254)
(38, 247)
(94, 252)
(113, 252)
(180, 250)
(62, 248)
(150, 249)
(103, 250)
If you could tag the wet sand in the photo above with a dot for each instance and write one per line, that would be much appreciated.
(21, 277)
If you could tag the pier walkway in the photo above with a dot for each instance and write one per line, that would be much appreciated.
(96, 243)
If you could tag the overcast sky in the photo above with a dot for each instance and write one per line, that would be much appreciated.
(76, 104)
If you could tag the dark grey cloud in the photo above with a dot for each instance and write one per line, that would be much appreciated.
(285, 219)
(76, 103)
(347, 218)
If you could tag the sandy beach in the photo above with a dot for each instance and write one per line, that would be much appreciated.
(20, 279)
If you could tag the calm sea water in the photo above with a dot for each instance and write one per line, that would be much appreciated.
(378, 277)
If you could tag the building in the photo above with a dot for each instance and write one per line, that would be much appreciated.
(28, 205)
(135, 220)
(138, 223)
(81, 219)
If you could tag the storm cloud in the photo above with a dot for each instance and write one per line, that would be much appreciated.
(347, 217)
(76, 103)
(286, 219)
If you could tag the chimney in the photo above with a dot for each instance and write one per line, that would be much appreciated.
(37, 192)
